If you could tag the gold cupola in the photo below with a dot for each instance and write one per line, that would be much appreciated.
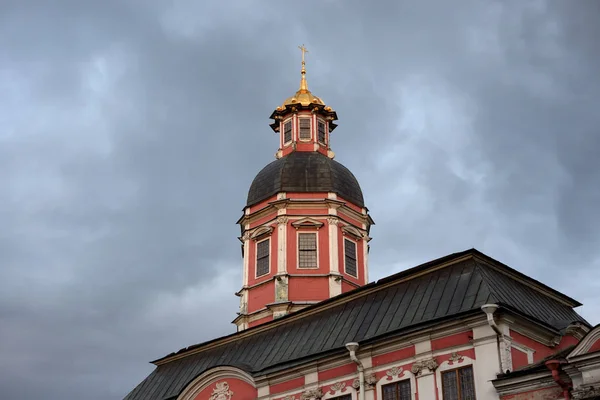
(303, 99)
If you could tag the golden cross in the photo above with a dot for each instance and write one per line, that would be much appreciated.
(303, 50)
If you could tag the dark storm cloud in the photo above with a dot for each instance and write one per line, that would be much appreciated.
(131, 130)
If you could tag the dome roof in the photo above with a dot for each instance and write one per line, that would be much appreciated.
(304, 97)
(305, 172)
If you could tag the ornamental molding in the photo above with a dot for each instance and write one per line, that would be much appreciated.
(392, 372)
(586, 343)
(337, 387)
(455, 358)
(221, 392)
(333, 220)
(312, 394)
(282, 220)
(350, 230)
(587, 393)
(261, 231)
(246, 236)
(307, 223)
(370, 382)
(289, 397)
(418, 367)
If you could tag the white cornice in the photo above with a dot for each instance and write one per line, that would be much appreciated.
(586, 343)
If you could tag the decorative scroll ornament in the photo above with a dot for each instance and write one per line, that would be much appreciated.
(394, 372)
(312, 394)
(418, 367)
(338, 386)
(333, 220)
(370, 382)
(221, 392)
(455, 358)
(282, 220)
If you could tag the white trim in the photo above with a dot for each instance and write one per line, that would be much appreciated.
(346, 390)
(334, 261)
(404, 375)
(260, 231)
(282, 245)
(209, 377)
(586, 343)
(355, 254)
(452, 365)
(256, 276)
(246, 262)
(321, 121)
(305, 232)
(365, 245)
(310, 129)
(283, 142)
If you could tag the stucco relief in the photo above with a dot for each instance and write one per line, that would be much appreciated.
(312, 394)
(506, 353)
(221, 392)
(394, 372)
(455, 358)
(337, 387)
(370, 382)
(281, 288)
(418, 367)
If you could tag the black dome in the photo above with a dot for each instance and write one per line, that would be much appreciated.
(302, 171)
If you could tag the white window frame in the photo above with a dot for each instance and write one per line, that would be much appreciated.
(449, 365)
(291, 122)
(320, 121)
(256, 276)
(298, 233)
(310, 126)
(355, 254)
(386, 380)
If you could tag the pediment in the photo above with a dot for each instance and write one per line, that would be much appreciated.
(261, 231)
(589, 344)
(307, 223)
(350, 230)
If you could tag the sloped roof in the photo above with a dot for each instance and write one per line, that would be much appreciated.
(446, 288)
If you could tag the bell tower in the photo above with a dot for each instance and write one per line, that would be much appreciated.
(305, 228)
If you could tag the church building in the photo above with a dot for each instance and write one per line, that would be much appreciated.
(311, 326)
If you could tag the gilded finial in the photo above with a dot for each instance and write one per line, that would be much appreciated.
(303, 84)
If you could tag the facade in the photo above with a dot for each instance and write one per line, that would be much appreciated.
(311, 326)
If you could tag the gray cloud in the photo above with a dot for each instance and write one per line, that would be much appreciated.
(131, 131)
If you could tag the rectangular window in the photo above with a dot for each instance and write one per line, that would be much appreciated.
(262, 258)
(397, 390)
(322, 132)
(350, 257)
(305, 129)
(344, 397)
(307, 250)
(287, 132)
(458, 384)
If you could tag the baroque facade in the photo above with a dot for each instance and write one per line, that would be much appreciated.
(311, 326)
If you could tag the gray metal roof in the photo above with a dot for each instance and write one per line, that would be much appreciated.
(302, 171)
(419, 298)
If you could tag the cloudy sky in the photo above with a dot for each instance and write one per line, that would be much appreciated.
(130, 132)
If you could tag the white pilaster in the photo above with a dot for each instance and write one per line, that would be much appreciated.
(334, 267)
(488, 362)
(246, 239)
(282, 244)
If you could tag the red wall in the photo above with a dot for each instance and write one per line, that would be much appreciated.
(241, 390)
(261, 295)
(452, 340)
(307, 289)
